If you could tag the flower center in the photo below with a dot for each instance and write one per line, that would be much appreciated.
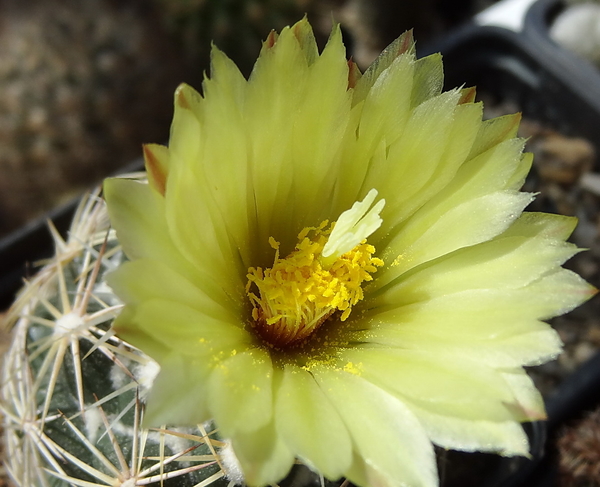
(323, 274)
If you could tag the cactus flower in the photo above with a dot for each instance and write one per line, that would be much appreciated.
(336, 267)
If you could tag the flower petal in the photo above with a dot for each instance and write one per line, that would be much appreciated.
(464, 389)
(137, 212)
(132, 332)
(487, 179)
(142, 279)
(240, 392)
(564, 288)
(429, 79)
(517, 349)
(481, 314)
(509, 261)
(310, 425)
(503, 437)
(528, 397)
(156, 158)
(471, 434)
(285, 130)
(383, 116)
(316, 146)
(184, 140)
(191, 332)
(263, 455)
(495, 131)
(198, 231)
(223, 167)
(178, 394)
(423, 181)
(404, 44)
(391, 445)
(280, 75)
(400, 178)
(466, 224)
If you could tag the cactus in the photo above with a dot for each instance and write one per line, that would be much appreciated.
(73, 394)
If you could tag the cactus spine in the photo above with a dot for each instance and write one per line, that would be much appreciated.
(73, 394)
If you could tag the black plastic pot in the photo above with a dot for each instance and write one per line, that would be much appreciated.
(460, 469)
(20, 250)
(547, 82)
(576, 396)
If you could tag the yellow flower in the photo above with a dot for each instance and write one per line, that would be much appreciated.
(337, 268)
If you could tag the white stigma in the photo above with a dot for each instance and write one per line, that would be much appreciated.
(353, 226)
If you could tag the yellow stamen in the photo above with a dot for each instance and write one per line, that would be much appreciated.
(299, 293)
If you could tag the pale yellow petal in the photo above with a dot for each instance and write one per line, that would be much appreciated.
(506, 262)
(414, 157)
(129, 330)
(472, 434)
(564, 288)
(374, 124)
(138, 215)
(142, 279)
(263, 455)
(391, 444)
(429, 79)
(428, 177)
(178, 394)
(479, 315)
(517, 180)
(223, 167)
(404, 44)
(279, 76)
(385, 110)
(310, 425)
(516, 349)
(191, 332)
(546, 225)
(316, 156)
(495, 131)
(429, 236)
(240, 392)
(306, 39)
(185, 137)
(463, 388)
(487, 177)
(199, 232)
(528, 397)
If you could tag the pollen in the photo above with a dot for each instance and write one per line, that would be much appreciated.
(300, 292)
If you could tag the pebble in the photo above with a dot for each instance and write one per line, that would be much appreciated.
(577, 28)
(563, 159)
(591, 182)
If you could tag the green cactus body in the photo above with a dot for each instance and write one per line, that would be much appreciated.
(73, 394)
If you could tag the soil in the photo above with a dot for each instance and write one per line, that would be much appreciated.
(82, 86)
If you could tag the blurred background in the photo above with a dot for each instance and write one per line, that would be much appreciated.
(83, 83)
